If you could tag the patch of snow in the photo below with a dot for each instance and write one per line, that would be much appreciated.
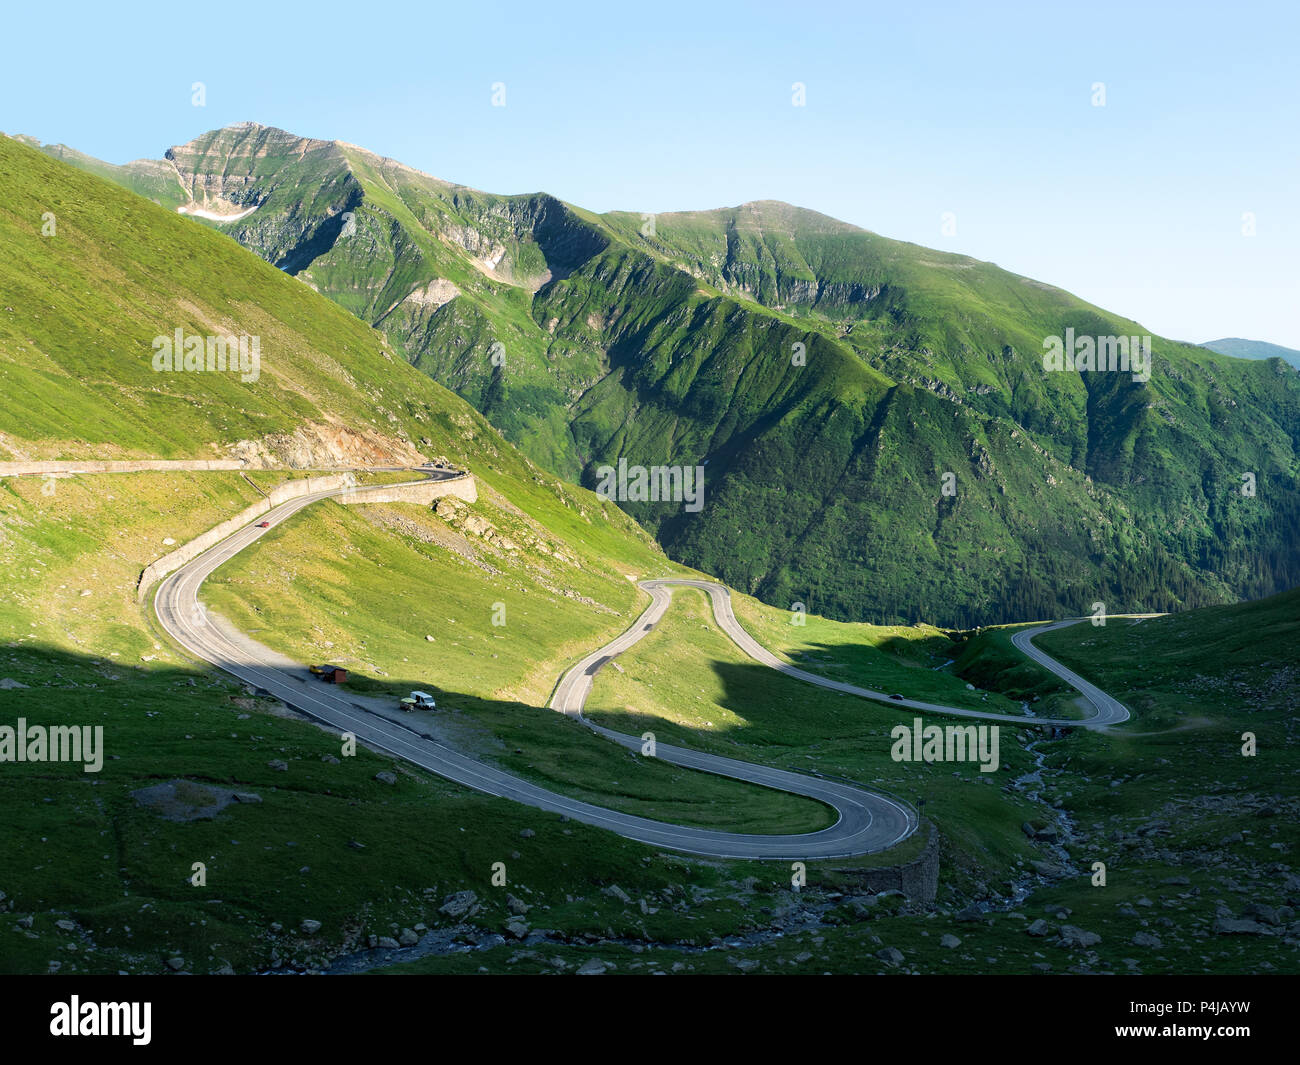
(200, 212)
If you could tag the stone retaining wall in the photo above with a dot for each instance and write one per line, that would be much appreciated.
(917, 879)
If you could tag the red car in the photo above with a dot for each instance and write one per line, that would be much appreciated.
(263, 524)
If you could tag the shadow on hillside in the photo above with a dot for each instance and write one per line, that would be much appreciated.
(769, 710)
(198, 723)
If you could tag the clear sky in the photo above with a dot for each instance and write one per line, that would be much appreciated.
(912, 110)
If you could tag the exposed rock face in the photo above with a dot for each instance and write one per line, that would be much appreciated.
(226, 165)
(228, 171)
(434, 294)
(316, 446)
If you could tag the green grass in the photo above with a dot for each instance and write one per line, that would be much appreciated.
(90, 854)
(357, 892)
(988, 659)
(84, 304)
(920, 661)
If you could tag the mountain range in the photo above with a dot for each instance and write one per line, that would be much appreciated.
(880, 436)
(1253, 349)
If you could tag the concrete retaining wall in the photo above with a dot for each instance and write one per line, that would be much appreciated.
(424, 492)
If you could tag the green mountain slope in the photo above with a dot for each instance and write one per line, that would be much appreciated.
(156, 180)
(80, 310)
(829, 377)
(83, 305)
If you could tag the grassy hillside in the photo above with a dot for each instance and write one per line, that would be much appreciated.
(326, 841)
(156, 180)
(688, 683)
(486, 622)
(82, 307)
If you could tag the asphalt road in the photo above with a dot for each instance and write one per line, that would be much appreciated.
(866, 822)
(1108, 710)
(571, 694)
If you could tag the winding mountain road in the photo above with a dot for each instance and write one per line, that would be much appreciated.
(571, 694)
(866, 821)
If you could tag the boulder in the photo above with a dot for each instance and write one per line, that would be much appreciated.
(616, 892)
(460, 904)
(1263, 913)
(1077, 937)
(1229, 926)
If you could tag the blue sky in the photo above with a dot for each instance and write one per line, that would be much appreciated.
(912, 110)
